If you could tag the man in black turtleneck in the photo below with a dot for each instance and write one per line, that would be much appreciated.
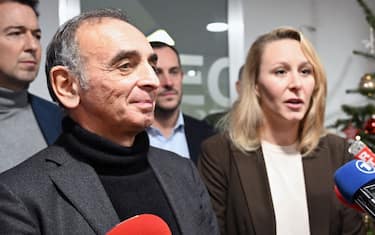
(102, 169)
(27, 122)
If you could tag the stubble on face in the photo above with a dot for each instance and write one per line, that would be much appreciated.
(164, 110)
(170, 75)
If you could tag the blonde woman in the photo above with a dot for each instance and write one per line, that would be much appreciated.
(271, 171)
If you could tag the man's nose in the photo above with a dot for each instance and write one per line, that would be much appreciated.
(32, 43)
(165, 80)
(148, 78)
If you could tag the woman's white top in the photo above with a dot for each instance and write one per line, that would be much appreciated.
(287, 184)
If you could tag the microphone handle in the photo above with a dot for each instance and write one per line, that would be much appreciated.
(365, 198)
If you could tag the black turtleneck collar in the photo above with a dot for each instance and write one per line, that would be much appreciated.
(123, 171)
(106, 157)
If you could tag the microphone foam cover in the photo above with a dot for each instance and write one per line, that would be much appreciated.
(352, 176)
(144, 224)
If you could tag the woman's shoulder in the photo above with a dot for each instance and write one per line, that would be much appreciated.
(334, 140)
(217, 145)
(336, 147)
(219, 138)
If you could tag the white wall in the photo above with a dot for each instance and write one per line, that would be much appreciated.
(48, 22)
(339, 25)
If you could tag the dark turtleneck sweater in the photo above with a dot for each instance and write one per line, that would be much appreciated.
(124, 172)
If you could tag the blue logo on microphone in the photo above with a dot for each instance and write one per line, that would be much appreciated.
(364, 167)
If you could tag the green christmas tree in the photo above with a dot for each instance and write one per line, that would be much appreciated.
(361, 120)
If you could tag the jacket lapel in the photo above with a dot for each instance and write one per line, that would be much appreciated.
(174, 191)
(252, 173)
(80, 184)
(317, 169)
(319, 187)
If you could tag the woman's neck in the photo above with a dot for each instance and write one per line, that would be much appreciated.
(280, 134)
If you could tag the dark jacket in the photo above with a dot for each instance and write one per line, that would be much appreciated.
(196, 132)
(48, 116)
(239, 189)
(52, 193)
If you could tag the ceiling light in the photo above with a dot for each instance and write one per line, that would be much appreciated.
(162, 36)
(192, 73)
(217, 27)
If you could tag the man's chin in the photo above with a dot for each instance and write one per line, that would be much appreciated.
(166, 108)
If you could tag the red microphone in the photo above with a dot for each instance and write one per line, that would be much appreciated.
(362, 152)
(144, 224)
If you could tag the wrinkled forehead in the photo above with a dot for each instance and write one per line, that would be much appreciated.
(111, 33)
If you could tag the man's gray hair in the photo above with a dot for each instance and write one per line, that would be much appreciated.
(64, 49)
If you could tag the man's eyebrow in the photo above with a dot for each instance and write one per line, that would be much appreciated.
(124, 55)
(175, 68)
(20, 27)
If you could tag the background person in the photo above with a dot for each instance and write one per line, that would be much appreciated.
(213, 119)
(27, 123)
(173, 130)
(272, 171)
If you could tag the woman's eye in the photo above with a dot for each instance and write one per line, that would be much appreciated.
(306, 71)
(280, 72)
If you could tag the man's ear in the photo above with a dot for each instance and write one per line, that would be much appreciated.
(65, 86)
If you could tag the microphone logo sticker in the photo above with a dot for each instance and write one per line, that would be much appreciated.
(364, 167)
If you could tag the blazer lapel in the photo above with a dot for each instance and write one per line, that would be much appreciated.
(319, 186)
(252, 173)
(80, 184)
(174, 190)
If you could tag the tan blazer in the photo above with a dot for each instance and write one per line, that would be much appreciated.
(239, 189)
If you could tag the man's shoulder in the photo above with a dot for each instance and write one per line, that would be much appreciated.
(42, 107)
(41, 102)
(194, 122)
(213, 118)
(48, 116)
(32, 170)
(333, 141)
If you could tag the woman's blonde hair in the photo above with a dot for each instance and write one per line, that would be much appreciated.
(244, 121)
